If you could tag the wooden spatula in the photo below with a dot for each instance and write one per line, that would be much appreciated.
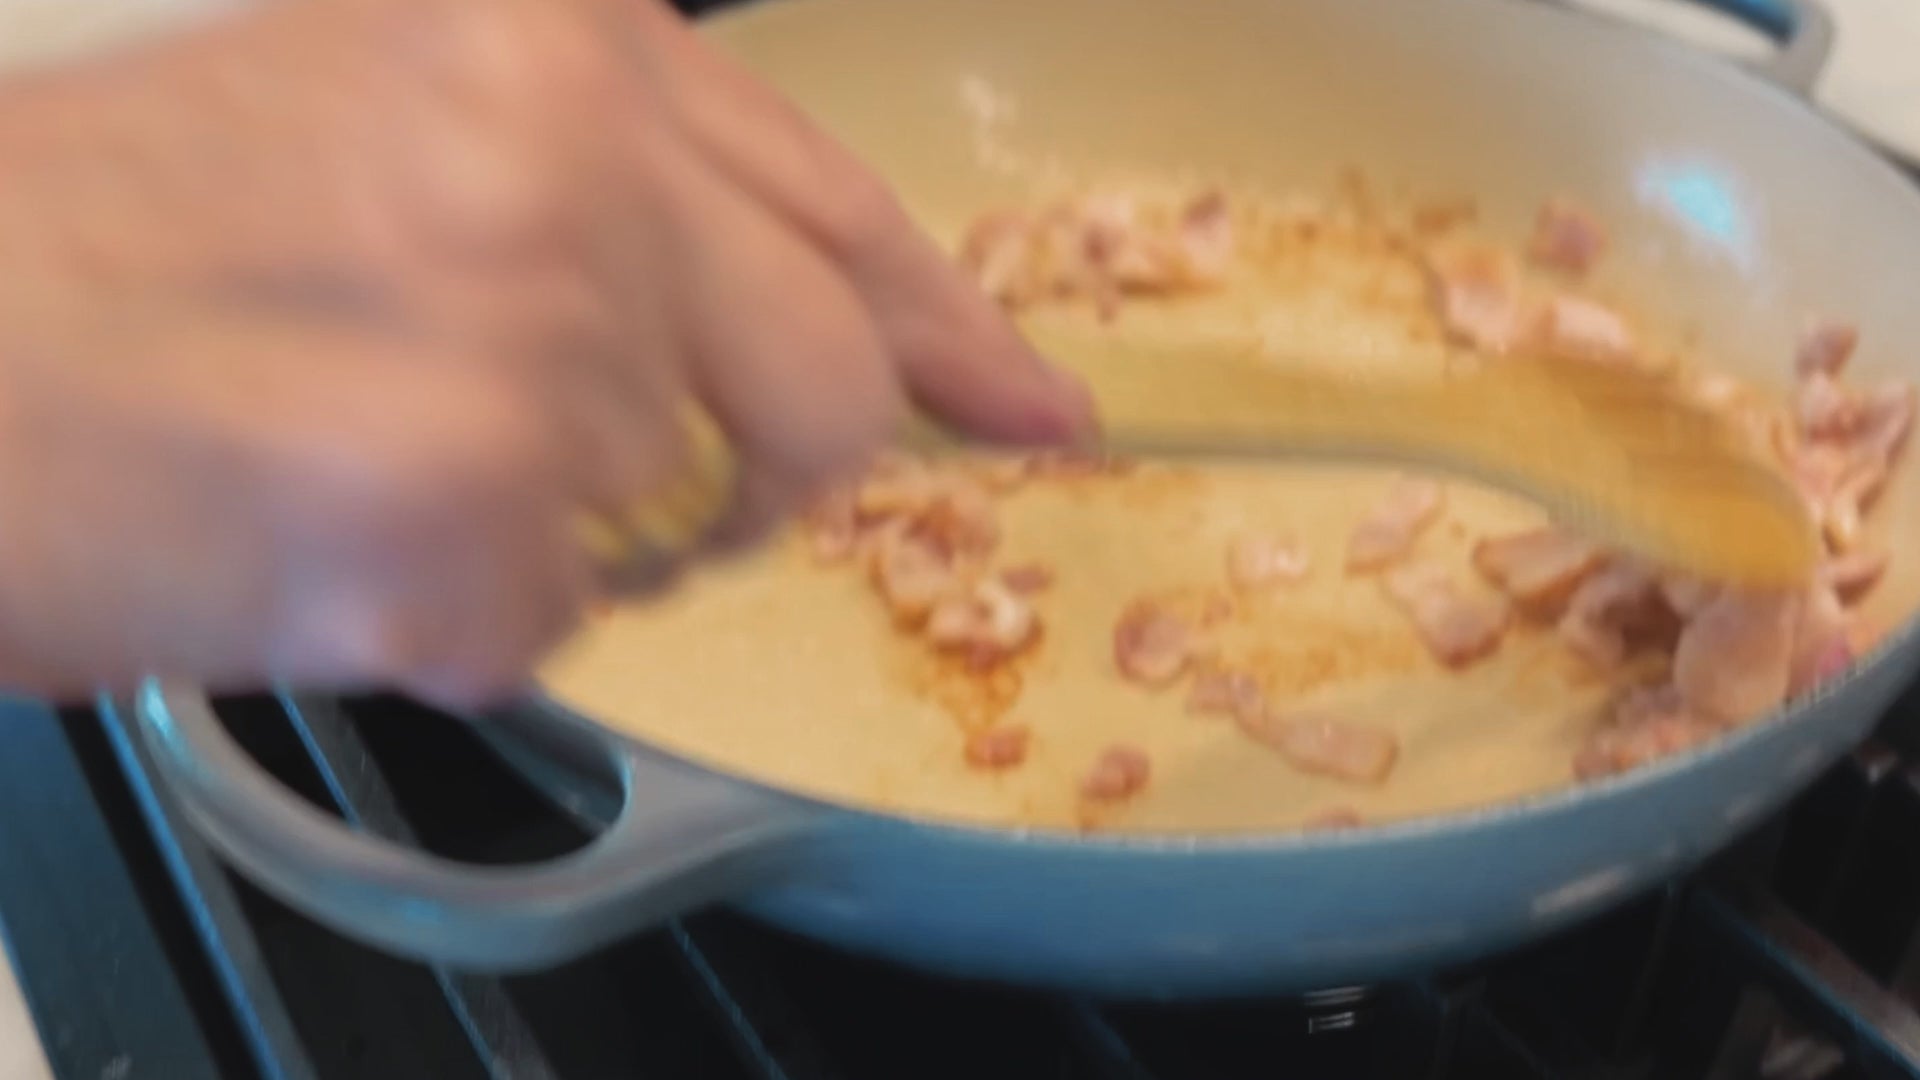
(1612, 451)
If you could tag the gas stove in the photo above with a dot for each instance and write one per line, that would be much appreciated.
(1794, 957)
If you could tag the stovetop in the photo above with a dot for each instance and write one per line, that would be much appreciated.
(1794, 957)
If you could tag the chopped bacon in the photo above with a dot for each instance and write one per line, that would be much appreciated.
(1825, 347)
(1120, 772)
(999, 747)
(1826, 408)
(1337, 817)
(1734, 659)
(1887, 414)
(1389, 530)
(1648, 725)
(1226, 693)
(1256, 561)
(1319, 744)
(989, 622)
(1151, 645)
(1480, 304)
(1027, 578)
(1566, 237)
(1457, 627)
(959, 521)
(1609, 611)
(911, 574)
(1853, 574)
(1539, 568)
(1575, 328)
(1821, 648)
(1206, 237)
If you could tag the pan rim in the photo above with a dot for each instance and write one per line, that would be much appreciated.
(1849, 149)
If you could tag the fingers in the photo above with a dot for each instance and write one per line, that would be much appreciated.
(782, 352)
(959, 358)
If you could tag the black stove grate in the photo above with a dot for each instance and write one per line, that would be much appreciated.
(1793, 958)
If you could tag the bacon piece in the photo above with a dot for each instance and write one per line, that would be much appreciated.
(1479, 299)
(1119, 773)
(999, 747)
(1151, 645)
(1853, 574)
(1566, 237)
(1027, 578)
(1256, 561)
(1321, 745)
(1205, 239)
(1825, 347)
(1821, 648)
(911, 574)
(1575, 328)
(1389, 530)
(1825, 408)
(1458, 628)
(1539, 568)
(1337, 817)
(1734, 659)
(1218, 692)
(989, 622)
(1648, 724)
(1886, 420)
(1609, 611)
(959, 521)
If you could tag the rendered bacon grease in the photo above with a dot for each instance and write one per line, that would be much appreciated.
(1697, 658)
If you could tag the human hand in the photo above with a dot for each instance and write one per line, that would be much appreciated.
(321, 329)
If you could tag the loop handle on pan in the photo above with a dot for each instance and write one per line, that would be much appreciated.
(683, 837)
(1801, 28)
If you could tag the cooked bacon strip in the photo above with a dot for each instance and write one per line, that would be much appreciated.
(1120, 772)
(1257, 561)
(1734, 659)
(988, 622)
(1479, 299)
(1575, 328)
(1319, 744)
(1219, 692)
(1609, 611)
(999, 747)
(1539, 568)
(1206, 240)
(1853, 574)
(1566, 237)
(1826, 408)
(1389, 530)
(1457, 627)
(1825, 347)
(1821, 645)
(1648, 724)
(1151, 645)
(911, 574)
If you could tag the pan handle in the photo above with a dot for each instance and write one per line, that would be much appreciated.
(1802, 30)
(683, 837)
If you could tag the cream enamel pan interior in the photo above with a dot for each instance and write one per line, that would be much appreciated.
(792, 674)
(1737, 212)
